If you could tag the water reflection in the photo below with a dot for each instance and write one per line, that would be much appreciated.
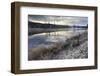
(51, 37)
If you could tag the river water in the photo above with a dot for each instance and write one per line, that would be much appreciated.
(47, 38)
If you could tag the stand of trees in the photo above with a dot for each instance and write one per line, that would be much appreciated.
(40, 25)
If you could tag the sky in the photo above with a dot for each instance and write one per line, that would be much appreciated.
(60, 20)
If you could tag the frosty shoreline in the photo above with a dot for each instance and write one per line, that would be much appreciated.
(78, 52)
(73, 46)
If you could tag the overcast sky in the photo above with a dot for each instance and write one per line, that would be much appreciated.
(60, 20)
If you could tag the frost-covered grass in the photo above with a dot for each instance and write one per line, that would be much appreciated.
(78, 52)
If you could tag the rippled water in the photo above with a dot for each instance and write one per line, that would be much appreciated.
(48, 38)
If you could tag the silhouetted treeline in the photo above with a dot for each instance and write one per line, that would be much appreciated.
(40, 25)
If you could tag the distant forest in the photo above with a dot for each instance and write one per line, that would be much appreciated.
(41, 25)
